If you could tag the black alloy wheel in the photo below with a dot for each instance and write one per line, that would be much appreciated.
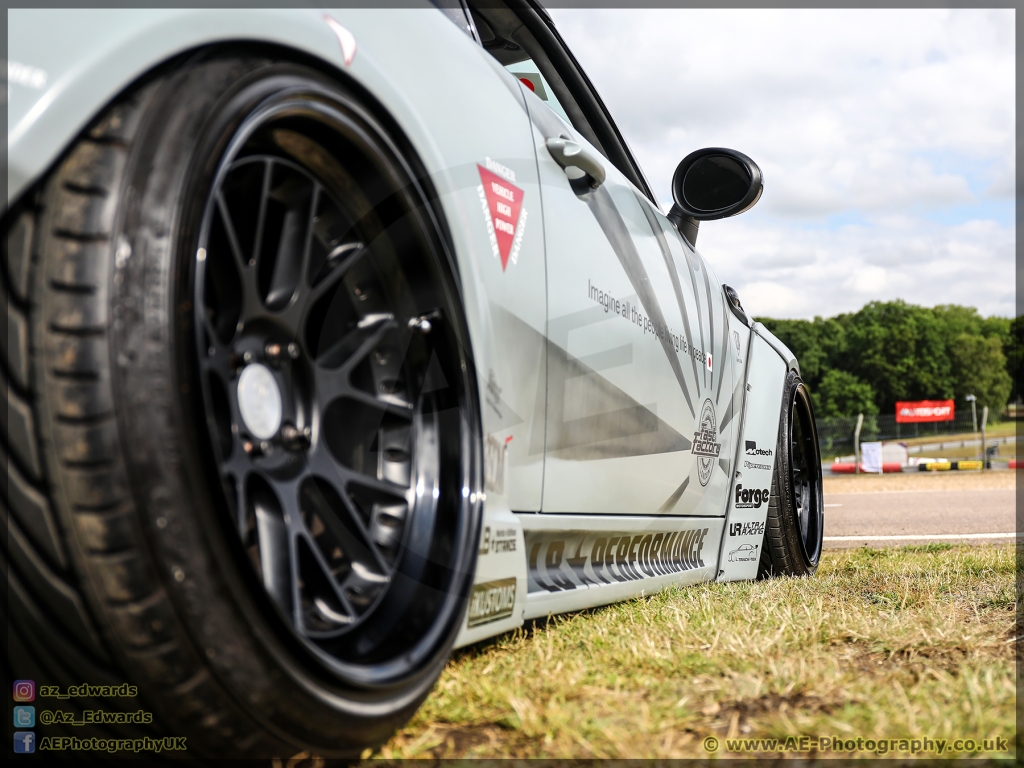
(331, 378)
(807, 504)
(795, 521)
(245, 462)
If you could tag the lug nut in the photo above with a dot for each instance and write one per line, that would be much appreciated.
(295, 439)
(293, 351)
(250, 449)
(273, 352)
(247, 357)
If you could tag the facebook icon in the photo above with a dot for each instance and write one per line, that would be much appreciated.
(24, 742)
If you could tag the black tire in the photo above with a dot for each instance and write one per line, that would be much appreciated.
(127, 557)
(793, 534)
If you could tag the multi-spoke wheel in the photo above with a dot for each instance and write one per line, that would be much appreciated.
(322, 384)
(795, 523)
(256, 399)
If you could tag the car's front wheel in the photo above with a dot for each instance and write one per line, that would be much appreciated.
(245, 462)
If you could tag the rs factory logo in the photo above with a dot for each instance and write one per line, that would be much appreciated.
(705, 442)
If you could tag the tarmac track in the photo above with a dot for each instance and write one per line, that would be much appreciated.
(897, 517)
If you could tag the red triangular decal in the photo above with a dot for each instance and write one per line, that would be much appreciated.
(504, 200)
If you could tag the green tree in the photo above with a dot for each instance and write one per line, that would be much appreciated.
(1014, 351)
(979, 369)
(843, 394)
(891, 350)
(900, 350)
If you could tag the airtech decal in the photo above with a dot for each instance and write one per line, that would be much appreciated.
(560, 561)
(502, 205)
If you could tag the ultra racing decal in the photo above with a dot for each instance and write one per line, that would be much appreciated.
(502, 204)
(491, 601)
(705, 442)
(580, 560)
(755, 528)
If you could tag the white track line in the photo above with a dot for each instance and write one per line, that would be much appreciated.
(923, 536)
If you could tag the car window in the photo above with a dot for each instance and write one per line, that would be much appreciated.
(529, 75)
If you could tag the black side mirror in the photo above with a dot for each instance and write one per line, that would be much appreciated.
(713, 183)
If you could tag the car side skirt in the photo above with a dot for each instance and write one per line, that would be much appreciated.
(747, 507)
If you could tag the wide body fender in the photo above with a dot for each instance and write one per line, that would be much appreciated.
(449, 100)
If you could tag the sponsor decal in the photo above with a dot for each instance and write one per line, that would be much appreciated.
(924, 410)
(502, 170)
(746, 529)
(502, 540)
(709, 361)
(491, 601)
(705, 442)
(753, 450)
(570, 561)
(633, 314)
(747, 498)
(755, 465)
(743, 553)
(495, 453)
(502, 204)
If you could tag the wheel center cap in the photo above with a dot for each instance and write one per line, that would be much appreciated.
(259, 400)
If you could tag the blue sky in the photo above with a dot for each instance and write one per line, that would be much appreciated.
(886, 138)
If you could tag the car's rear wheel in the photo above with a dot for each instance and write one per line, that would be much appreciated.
(247, 454)
(795, 523)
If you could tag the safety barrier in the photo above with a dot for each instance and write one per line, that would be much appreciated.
(849, 468)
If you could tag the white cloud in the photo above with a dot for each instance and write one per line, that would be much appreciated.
(896, 257)
(885, 117)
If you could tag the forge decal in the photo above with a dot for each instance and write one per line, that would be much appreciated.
(577, 560)
(502, 204)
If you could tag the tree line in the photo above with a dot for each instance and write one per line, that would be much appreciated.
(864, 361)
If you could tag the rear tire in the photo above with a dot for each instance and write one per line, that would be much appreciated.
(793, 534)
(132, 558)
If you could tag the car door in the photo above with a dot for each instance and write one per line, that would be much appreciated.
(639, 416)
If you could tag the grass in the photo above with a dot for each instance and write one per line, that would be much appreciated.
(907, 642)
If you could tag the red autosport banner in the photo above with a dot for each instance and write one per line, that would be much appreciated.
(924, 410)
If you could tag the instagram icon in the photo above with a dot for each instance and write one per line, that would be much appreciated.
(24, 690)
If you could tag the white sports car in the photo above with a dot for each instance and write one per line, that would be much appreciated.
(340, 338)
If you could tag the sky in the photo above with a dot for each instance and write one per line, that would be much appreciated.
(886, 139)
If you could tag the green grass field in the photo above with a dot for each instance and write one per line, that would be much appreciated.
(902, 643)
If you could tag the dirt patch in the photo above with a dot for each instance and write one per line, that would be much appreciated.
(481, 740)
(921, 481)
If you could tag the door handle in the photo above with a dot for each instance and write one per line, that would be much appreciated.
(570, 154)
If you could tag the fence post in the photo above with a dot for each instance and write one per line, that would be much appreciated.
(984, 423)
(856, 443)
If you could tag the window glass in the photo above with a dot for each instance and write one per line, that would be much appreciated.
(529, 74)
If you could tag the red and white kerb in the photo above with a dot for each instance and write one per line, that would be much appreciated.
(502, 203)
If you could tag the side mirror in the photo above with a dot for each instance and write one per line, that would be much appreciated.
(713, 183)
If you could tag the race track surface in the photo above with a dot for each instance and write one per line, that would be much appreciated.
(920, 508)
